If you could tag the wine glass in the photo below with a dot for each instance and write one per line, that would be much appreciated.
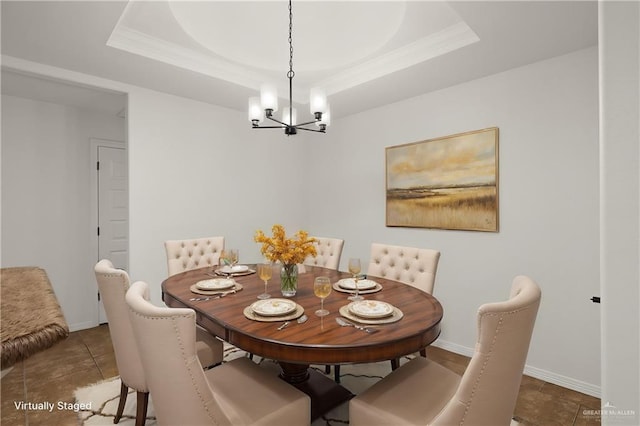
(227, 257)
(235, 256)
(355, 268)
(265, 271)
(322, 289)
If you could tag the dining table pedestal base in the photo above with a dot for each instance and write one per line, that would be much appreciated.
(325, 393)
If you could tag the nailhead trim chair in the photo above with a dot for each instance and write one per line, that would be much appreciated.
(329, 252)
(409, 265)
(184, 255)
(238, 392)
(113, 285)
(423, 392)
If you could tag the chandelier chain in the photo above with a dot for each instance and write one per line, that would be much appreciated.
(291, 73)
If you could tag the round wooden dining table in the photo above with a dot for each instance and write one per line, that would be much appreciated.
(319, 340)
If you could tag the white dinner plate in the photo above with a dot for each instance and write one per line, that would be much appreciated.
(215, 284)
(236, 269)
(273, 307)
(371, 309)
(350, 284)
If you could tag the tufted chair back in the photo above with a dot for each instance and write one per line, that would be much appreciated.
(165, 338)
(489, 387)
(329, 252)
(113, 285)
(184, 255)
(413, 266)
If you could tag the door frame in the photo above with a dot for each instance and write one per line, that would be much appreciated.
(96, 143)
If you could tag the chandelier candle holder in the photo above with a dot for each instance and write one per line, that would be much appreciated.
(267, 104)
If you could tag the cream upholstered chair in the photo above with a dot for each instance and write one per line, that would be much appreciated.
(238, 392)
(184, 255)
(329, 252)
(409, 265)
(113, 285)
(487, 391)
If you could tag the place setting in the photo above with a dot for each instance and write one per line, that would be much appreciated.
(371, 312)
(268, 309)
(356, 285)
(215, 287)
(273, 310)
(229, 265)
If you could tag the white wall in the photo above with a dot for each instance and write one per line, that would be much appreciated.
(547, 114)
(619, 46)
(45, 196)
(198, 170)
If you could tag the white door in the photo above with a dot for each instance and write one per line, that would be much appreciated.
(113, 209)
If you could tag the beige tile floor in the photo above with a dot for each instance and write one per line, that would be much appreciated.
(87, 357)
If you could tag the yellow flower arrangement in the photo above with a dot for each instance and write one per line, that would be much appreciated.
(288, 251)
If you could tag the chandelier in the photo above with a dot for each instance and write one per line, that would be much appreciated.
(267, 104)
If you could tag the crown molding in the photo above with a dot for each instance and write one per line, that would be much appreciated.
(447, 40)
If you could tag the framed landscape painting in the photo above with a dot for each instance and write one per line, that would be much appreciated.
(445, 183)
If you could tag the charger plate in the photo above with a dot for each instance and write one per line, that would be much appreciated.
(274, 307)
(350, 284)
(215, 284)
(248, 312)
(376, 289)
(394, 317)
(236, 269)
(249, 271)
(196, 290)
(371, 309)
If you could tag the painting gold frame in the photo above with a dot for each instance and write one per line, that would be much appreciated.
(449, 182)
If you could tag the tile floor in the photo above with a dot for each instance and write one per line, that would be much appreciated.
(87, 357)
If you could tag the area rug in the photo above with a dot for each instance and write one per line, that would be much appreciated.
(103, 397)
(26, 290)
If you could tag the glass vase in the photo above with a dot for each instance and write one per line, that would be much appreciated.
(289, 280)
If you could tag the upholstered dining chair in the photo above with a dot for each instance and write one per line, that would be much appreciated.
(113, 285)
(238, 392)
(409, 265)
(329, 252)
(413, 266)
(487, 391)
(184, 255)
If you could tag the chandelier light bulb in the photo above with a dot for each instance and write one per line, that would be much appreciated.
(269, 97)
(317, 101)
(256, 113)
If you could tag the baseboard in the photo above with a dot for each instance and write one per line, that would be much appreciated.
(82, 326)
(538, 373)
